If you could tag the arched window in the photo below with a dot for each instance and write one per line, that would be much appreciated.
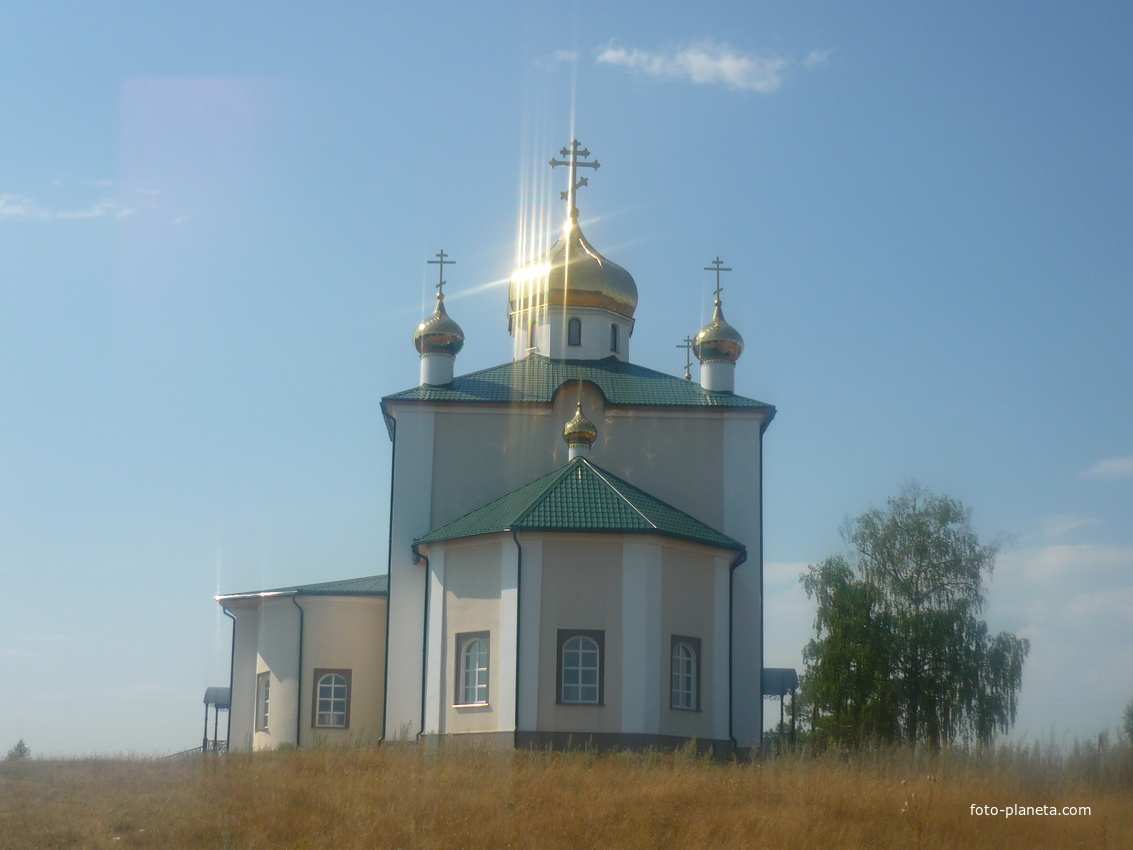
(683, 673)
(580, 681)
(473, 669)
(613, 337)
(263, 697)
(530, 332)
(332, 699)
(574, 332)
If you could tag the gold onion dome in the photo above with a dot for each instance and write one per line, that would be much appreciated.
(573, 274)
(580, 431)
(439, 334)
(718, 340)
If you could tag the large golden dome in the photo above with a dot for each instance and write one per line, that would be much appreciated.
(718, 340)
(573, 274)
(439, 334)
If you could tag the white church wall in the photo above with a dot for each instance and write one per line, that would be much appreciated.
(278, 654)
(482, 452)
(674, 455)
(528, 674)
(245, 658)
(552, 338)
(410, 517)
(473, 590)
(641, 683)
(345, 633)
(742, 471)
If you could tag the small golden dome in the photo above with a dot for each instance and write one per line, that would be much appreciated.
(718, 340)
(573, 274)
(580, 431)
(439, 334)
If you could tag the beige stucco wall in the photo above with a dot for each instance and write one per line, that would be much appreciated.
(277, 653)
(345, 633)
(581, 589)
(688, 609)
(338, 633)
(472, 604)
(481, 452)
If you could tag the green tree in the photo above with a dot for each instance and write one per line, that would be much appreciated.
(900, 651)
(19, 752)
(1129, 721)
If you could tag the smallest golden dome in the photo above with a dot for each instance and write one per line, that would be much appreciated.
(580, 431)
(439, 334)
(718, 340)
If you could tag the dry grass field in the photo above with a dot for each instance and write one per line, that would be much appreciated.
(401, 796)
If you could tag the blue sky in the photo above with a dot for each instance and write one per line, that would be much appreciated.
(214, 226)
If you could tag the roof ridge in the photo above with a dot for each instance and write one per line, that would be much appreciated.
(598, 471)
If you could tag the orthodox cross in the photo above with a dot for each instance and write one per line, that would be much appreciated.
(442, 262)
(574, 182)
(687, 346)
(717, 266)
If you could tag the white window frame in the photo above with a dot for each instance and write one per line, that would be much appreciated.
(684, 673)
(263, 699)
(474, 669)
(581, 656)
(330, 707)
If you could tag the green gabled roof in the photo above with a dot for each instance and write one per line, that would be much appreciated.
(367, 586)
(580, 496)
(536, 379)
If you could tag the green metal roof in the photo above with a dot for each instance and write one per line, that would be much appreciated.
(536, 379)
(582, 497)
(367, 586)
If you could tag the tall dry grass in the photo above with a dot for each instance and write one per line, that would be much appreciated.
(402, 796)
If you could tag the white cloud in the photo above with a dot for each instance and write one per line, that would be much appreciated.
(19, 208)
(1082, 564)
(1056, 526)
(706, 63)
(816, 58)
(550, 61)
(1115, 605)
(1112, 468)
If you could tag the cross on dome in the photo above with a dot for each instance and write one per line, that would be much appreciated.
(717, 266)
(572, 163)
(687, 345)
(441, 263)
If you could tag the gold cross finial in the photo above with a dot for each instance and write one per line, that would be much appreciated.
(687, 346)
(717, 266)
(574, 182)
(441, 262)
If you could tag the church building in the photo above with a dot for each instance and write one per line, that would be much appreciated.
(575, 553)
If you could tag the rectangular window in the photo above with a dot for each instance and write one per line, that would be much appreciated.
(472, 668)
(684, 673)
(330, 696)
(263, 686)
(581, 667)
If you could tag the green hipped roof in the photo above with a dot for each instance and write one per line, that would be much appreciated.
(367, 586)
(580, 496)
(536, 379)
